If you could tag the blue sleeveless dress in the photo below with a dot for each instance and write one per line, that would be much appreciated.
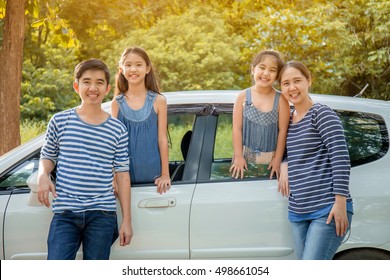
(145, 163)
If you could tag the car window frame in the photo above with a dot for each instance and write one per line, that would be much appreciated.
(207, 156)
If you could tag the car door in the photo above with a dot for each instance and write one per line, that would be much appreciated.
(234, 218)
(25, 222)
(4, 197)
(161, 221)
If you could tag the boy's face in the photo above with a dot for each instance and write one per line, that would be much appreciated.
(92, 87)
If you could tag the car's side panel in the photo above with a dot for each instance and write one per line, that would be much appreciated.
(240, 219)
(26, 229)
(160, 224)
(370, 223)
(4, 196)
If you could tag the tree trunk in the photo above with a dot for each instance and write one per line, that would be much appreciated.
(11, 60)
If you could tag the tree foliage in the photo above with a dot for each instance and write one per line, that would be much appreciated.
(204, 44)
(190, 51)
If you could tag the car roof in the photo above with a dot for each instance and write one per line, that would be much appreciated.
(229, 96)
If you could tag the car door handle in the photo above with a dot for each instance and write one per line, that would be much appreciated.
(157, 203)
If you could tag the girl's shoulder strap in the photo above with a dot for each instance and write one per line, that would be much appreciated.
(248, 96)
(276, 99)
(120, 97)
(151, 96)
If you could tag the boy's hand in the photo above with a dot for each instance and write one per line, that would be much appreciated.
(45, 185)
(125, 234)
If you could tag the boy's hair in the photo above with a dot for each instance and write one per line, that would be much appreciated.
(151, 82)
(260, 56)
(297, 65)
(91, 64)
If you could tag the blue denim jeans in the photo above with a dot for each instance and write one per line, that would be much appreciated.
(315, 240)
(95, 230)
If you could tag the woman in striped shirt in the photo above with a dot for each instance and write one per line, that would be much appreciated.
(320, 205)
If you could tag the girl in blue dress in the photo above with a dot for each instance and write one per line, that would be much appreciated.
(140, 106)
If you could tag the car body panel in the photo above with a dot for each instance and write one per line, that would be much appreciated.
(160, 224)
(248, 221)
(26, 228)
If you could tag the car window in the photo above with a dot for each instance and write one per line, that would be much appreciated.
(17, 176)
(180, 130)
(223, 151)
(223, 148)
(366, 134)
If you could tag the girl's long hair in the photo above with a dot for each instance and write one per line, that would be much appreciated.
(151, 82)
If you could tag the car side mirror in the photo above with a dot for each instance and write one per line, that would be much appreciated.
(32, 182)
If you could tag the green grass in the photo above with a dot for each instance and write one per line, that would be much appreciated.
(31, 129)
(176, 133)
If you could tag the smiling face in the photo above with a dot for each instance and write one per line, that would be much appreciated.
(92, 87)
(134, 68)
(265, 72)
(294, 85)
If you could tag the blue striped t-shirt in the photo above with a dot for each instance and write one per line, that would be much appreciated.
(318, 161)
(86, 157)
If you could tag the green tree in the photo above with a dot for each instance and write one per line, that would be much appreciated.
(366, 59)
(50, 54)
(190, 51)
(300, 36)
(47, 89)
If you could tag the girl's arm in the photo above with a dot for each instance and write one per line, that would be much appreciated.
(164, 181)
(238, 163)
(114, 108)
(283, 186)
(283, 122)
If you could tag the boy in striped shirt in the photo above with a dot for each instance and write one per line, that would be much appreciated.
(86, 146)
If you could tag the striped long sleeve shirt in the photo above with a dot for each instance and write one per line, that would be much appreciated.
(86, 157)
(318, 161)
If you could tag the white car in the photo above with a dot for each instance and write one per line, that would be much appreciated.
(207, 214)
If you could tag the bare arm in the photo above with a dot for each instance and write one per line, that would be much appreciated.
(283, 122)
(124, 196)
(114, 108)
(238, 163)
(283, 186)
(45, 185)
(164, 181)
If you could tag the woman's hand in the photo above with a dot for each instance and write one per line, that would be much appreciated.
(339, 214)
(283, 186)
